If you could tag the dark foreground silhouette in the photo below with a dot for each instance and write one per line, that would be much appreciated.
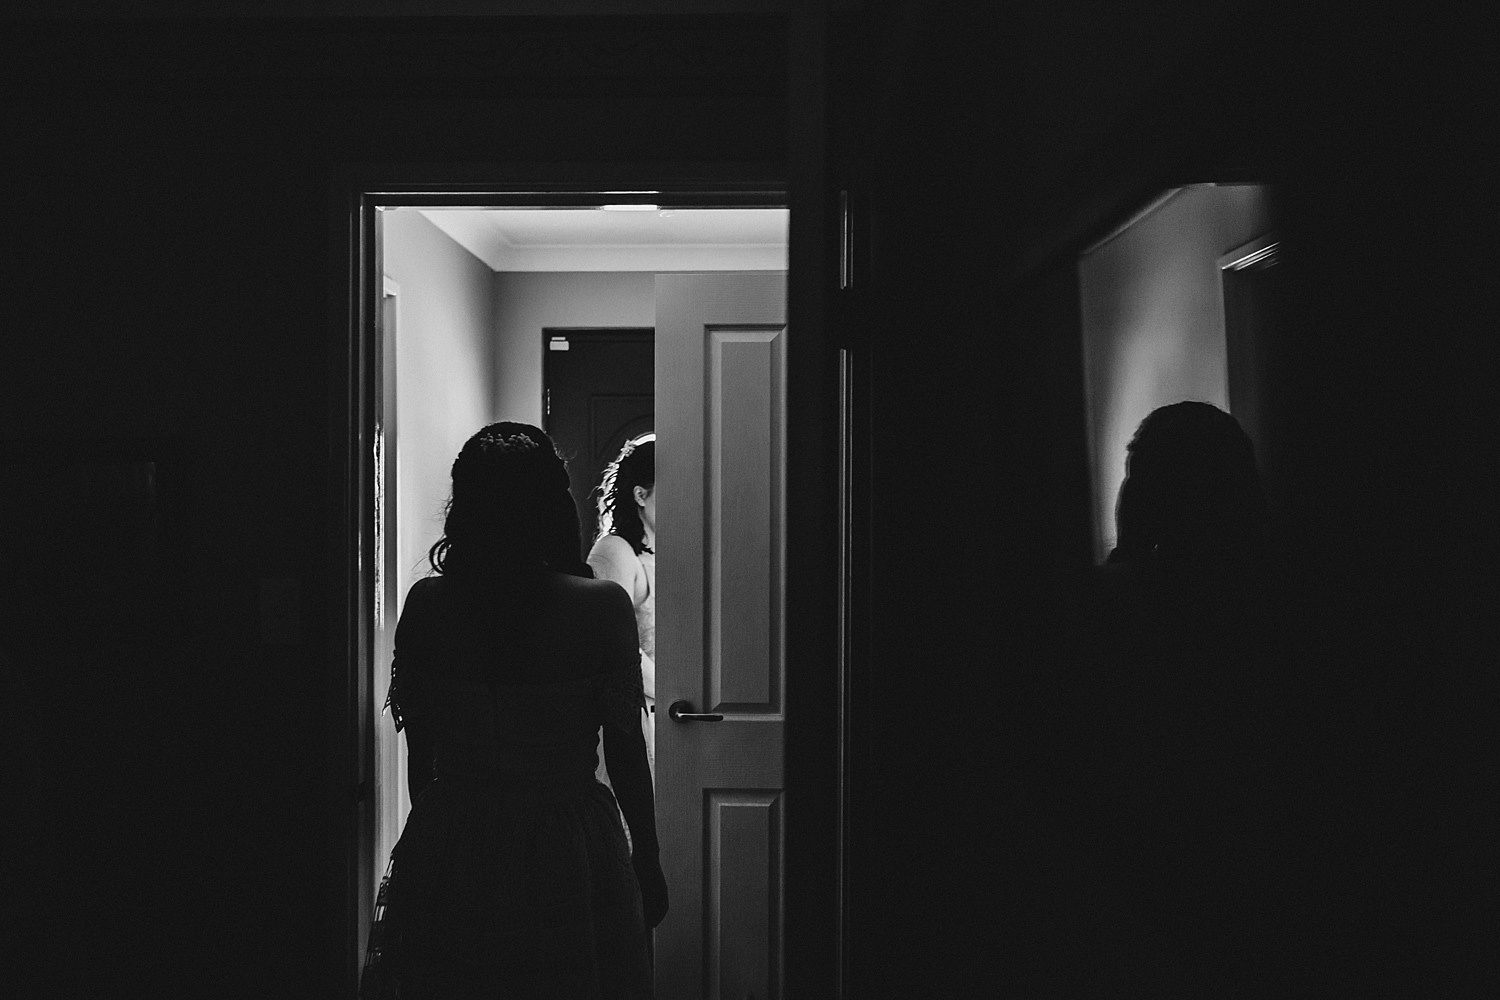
(513, 876)
(1194, 840)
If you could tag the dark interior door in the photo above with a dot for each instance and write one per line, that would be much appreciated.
(600, 392)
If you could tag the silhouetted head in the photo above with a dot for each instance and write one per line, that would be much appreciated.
(1191, 489)
(510, 511)
(627, 493)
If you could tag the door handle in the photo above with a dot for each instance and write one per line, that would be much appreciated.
(678, 713)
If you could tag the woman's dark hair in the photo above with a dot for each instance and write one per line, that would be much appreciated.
(618, 513)
(1191, 487)
(510, 510)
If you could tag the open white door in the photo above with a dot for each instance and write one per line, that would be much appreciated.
(721, 494)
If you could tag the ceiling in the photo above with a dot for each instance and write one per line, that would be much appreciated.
(593, 239)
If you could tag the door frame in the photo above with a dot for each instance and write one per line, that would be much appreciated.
(819, 552)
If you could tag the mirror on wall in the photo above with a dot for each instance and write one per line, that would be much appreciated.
(1174, 306)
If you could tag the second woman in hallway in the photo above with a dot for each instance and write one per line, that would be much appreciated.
(625, 551)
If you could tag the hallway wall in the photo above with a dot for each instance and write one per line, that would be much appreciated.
(445, 356)
(526, 302)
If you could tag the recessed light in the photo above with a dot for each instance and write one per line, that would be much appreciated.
(628, 208)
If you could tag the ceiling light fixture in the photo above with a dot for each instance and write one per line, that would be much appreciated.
(628, 208)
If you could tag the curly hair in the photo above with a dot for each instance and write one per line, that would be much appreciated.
(618, 513)
(510, 508)
(1191, 486)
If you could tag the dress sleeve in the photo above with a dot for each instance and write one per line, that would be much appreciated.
(402, 692)
(393, 700)
(619, 693)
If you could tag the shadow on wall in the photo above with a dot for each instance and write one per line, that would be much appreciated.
(1153, 321)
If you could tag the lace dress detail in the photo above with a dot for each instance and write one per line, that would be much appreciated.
(645, 612)
(620, 697)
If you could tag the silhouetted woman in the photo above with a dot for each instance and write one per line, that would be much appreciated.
(1190, 813)
(512, 877)
(624, 551)
(1191, 500)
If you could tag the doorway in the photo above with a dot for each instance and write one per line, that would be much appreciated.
(598, 393)
(732, 818)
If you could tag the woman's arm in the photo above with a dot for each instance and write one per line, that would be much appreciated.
(407, 702)
(418, 760)
(621, 702)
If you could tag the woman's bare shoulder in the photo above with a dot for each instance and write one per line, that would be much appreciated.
(426, 585)
(613, 548)
(423, 594)
(612, 558)
(588, 591)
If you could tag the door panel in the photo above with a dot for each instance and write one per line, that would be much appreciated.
(744, 838)
(743, 454)
(720, 379)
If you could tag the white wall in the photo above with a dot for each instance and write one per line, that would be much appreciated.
(444, 344)
(470, 352)
(528, 302)
(1153, 322)
(445, 354)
